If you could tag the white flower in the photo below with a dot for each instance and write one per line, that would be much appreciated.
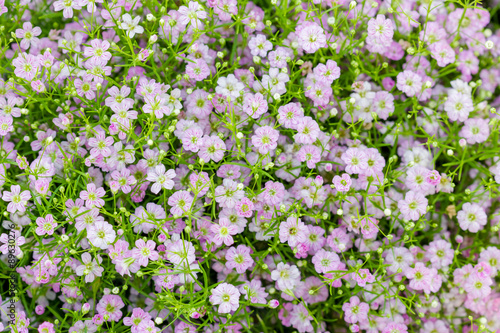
(131, 26)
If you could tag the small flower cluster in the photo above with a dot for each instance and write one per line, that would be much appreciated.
(250, 166)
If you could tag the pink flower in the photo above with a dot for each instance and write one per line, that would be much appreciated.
(118, 100)
(362, 277)
(45, 225)
(458, 106)
(410, 83)
(420, 277)
(101, 234)
(471, 217)
(239, 258)
(413, 206)
(161, 178)
(293, 231)
(212, 148)
(259, 45)
(26, 66)
(229, 86)
(17, 200)
(475, 130)
(93, 196)
(433, 177)
(327, 73)
(286, 276)
(226, 296)
(308, 131)
(290, 114)
(145, 252)
(342, 184)
(255, 105)
(443, 53)
(123, 180)
(355, 310)
(325, 261)
(192, 14)
(311, 36)
(28, 35)
(6, 125)
(67, 7)
(46, 327)
(180, 202)
(3, 8)
(244, 207)
(265, 139)
(85, 88)
(223, 232)
(7, 246)
(395, 328)
(440, 253)
(90, 268)
(310, 154)
(110, 305)
(198, 69)
(355, 159)
(98, 50)
(101, 145)
(381, 29)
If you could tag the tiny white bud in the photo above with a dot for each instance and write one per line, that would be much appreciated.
(387, 212)
(449, 152)
(150, 142)
(489, 44)
(158, 321)
(331, 20)
(340, 211)
(239, 135)
(352, 4)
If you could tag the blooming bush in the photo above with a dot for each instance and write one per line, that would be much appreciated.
(239, 166)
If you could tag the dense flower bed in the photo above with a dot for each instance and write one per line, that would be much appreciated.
(239, 166)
